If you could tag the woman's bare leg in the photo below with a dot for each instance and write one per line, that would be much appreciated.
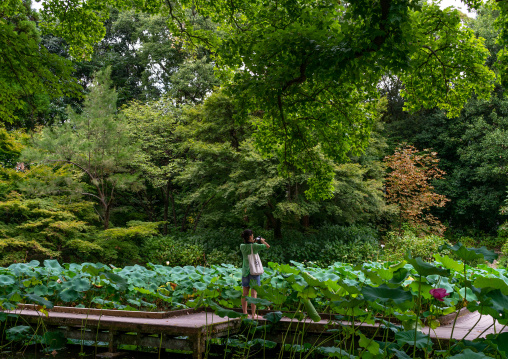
(253, 294)
(244, 301)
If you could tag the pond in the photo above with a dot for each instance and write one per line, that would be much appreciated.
(74, 351)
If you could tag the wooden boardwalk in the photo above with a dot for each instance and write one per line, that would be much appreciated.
(188, 330)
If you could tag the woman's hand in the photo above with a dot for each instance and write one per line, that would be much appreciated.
(264, 242)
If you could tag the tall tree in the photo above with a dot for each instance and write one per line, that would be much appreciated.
(94, 142)
(29, 73)
(312, 68)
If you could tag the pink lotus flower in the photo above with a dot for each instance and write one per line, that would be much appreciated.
(439, 293)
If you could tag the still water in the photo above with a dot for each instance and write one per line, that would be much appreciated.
(76, 352)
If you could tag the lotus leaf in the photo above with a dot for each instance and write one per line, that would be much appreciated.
(384, 293)
(200, 286)
(449, 263)
(18, 332)
(350, 286)
(468, 294)
(424, 287)
(69, 295)
(399, 276)
(421, 340)
(500, 340)
(39, 300)
(469, 354)
(424, 268)
(264, 343)
(223, 312)
(373, 276)
(498, 302)
(273, 317)
(53, 265)
(334, 352)
(6, 280)
(41, 290)
(471, 254)
(54, 340)
(258, 301)
(91, 269)
(371, 345)
(80, 284)
(400, 354)
(495, 283)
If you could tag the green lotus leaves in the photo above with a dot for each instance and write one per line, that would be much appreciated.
(494, 283)
(69, 295)
(54, 340)
(18, 332)
(400, 354)
(52, 264)
(449, 263)
(223, 312)
(32, 298)
(412, 338)
(500, 341)
(498, 302)
(469, 354)
(335, 352)
(118, 281)
(6, 280)
(384, 293)
(424, 268)
(258, 301)
(471, 254)
(200, 286)
(273, 317)
(399, 276)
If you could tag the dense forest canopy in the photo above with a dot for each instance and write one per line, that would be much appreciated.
(126, 120)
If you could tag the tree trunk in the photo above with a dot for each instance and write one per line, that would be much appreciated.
(305, 221)
(275, 224)
(107, 212)
(166, 209)
(200, 213)
(184, 219)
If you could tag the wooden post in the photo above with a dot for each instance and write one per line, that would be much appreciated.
(198, 346)
(111, 339)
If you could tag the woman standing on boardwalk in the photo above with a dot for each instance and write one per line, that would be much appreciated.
(250, 246)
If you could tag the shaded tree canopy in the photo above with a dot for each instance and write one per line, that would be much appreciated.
(311, 69)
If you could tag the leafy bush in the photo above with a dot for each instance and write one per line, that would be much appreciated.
(397, 246)
(503, 261)
(122, 245)
(166, 250)
(327, 245)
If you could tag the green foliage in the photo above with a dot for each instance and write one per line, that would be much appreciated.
(368, 292)
(123, 245)
(397, 245)
(294, 71)
(168, 251)
(93, 142)
(325, 246)
(29, 73)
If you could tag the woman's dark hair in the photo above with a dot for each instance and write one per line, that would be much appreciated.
(246, 235)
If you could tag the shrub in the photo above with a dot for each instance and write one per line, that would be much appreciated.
(121, 245)
(326, 245)
(503, 260)
(397, 246)
(167, 250)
